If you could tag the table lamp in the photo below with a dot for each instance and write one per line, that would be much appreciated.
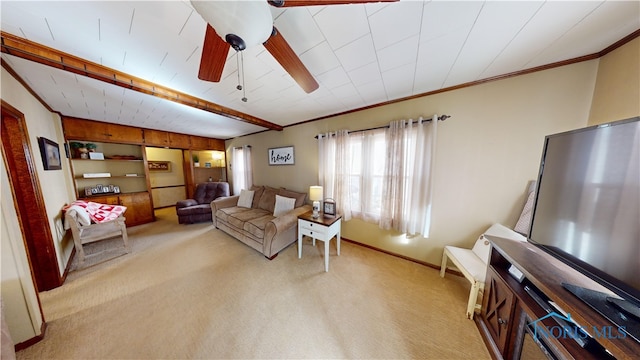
(315, 195)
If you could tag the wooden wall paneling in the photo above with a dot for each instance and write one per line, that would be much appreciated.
(216, 144)
(156, 137)
(179, 141)
(199, 143)
(125, 134)
(28, 199)
(189, 175)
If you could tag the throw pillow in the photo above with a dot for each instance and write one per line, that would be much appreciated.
(246, 198)
(300, 197)
(268, 199)
(283, 205)
(82, 215)
(522, 226)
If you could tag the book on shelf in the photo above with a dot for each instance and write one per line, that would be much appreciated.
(96, 175)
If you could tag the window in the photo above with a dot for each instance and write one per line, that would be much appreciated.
(241, 168)
(381, 176)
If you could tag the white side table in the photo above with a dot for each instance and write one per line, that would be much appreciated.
(323, 228)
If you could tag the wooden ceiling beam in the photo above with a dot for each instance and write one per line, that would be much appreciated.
(29, 50)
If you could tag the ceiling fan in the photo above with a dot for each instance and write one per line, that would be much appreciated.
(242, 24)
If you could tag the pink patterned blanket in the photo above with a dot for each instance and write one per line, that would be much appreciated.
(99, 213)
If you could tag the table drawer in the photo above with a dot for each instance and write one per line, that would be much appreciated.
(312, 229)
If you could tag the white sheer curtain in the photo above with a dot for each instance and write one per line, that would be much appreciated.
(382, 176)
(241, 168)
(333, 169)
(408, 175)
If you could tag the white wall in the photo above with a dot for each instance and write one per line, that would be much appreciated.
(21, 304)
(59, 183)
(19, 296)
(487, 152)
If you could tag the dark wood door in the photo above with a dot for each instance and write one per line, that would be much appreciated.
(28, 199)
(497, 309)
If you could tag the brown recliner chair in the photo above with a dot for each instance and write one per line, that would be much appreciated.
(198, 209)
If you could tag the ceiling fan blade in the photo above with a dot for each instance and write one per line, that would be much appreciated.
(291, 3)
(214, 55)
(282, 52)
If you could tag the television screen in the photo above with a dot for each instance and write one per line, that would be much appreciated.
(587, 209)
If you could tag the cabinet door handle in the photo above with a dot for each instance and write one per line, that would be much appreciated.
(502, 321)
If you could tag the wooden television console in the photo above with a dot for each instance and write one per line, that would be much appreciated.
(510, 317)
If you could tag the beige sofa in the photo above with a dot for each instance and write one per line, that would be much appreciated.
(256, 226)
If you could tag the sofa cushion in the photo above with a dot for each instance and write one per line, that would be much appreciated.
(257, 194)
(195, 209)
(224, 213)
(246, 198)
(283, 205)
(268, 199)
(239, 218)
(300, 197)
(256, 226)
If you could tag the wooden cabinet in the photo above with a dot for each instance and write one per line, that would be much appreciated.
(139, 207)
(156, 137)
(497, 309)
(88, 130)
(199, 142)
(527, 318)
(118, 179)
(179, 141)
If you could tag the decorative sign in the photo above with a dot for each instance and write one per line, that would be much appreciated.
(159, 165)
(281, 156)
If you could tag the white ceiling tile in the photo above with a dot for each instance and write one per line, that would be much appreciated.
(393, 24)
(299, 29)
(398, 82)
(498, 21)
(365, 74)
(342, 24)
(334, 78)
(399, 54)
(164, 44)
(357, 53)
(320, 59)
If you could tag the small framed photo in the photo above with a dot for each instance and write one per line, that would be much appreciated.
(329, 207)
(50, 154)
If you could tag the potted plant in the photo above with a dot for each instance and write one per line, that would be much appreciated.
(196, 160)
(91, 147)
(79, 150)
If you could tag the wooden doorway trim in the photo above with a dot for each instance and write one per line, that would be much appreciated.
(28, 200)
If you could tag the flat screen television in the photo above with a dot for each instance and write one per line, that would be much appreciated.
(587, 214)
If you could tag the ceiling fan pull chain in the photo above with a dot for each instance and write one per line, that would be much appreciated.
(244, 92)
(239, 87)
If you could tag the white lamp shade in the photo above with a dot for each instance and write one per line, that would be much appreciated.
(315, 193)
(250, 20)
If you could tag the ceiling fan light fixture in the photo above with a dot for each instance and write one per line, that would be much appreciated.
(249, 21)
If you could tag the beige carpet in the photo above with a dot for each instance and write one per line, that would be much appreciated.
(191, 291)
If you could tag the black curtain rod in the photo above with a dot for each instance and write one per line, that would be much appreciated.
(441, 118)
(241, 147)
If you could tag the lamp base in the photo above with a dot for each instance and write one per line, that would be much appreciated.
(316, 209)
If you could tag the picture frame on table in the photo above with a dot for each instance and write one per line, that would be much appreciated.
(50, 152)
(329, 207)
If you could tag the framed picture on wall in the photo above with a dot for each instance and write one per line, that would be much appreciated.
(281, 156)
(50, 154)
(159, 165)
